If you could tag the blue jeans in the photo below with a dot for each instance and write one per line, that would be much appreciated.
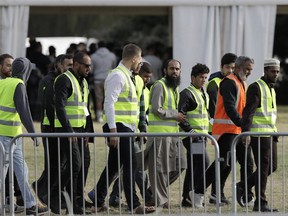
(18, 164)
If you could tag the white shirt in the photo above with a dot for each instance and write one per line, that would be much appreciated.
(113, 85)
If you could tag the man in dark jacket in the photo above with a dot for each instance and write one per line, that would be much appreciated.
(259, 115)
(71, 99)
(45, 92)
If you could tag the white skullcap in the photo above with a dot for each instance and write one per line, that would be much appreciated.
(271, 62)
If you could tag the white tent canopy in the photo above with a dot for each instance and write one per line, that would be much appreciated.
(203, 30)
(141, 2)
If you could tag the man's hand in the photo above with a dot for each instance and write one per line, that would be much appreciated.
(181, 117)
(113, 141)
(36, 141)
(246, 140)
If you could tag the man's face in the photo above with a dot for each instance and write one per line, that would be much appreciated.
(245, 71)
(83, 68)
(173, 69)
(136, 63)
(271, 73)
(146, 77)
(227, 69)
(172, 74)
(199, 81)
(6, 68)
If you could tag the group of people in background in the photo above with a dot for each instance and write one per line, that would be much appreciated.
(127, 101)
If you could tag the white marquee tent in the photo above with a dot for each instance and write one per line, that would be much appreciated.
(203, 30)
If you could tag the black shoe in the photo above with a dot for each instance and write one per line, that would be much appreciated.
(186, 202)
(264, 208)
(223, 201)
(54, 206)
(78, 210)
(114, 203)
(19, 201)
(87, 204)
(239, 194)
(39, 210)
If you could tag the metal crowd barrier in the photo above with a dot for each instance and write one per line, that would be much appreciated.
(100, 156)
(276, 196)
(2, 186)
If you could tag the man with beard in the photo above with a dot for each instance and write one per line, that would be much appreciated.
(163, 118)
(121, 116)
(227, 67)
(259, 115)
(231, 100)
(62, 63)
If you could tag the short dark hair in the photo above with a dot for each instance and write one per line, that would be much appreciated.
(4, 56)
(146, 68)
(78, 57)
(228, 58)
(66, 56)
(199, 69)
(130, 50)
(58, 59)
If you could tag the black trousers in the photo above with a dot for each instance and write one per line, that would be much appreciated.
(75, 159)
(199, 162)
(264, 151)
(225, 142)
(51, 153)
(127, 159)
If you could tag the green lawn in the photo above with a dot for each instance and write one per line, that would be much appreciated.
(100, 151)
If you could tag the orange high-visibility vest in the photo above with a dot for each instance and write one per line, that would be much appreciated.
(222, 123)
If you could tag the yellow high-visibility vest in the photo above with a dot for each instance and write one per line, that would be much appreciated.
(171, 99)
(10, 122)
(76, 103)
(126, 107)
(264, 119)
(198, 118)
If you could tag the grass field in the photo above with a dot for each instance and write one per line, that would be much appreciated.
(99, 151)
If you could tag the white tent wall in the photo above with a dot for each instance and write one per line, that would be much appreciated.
(13, 29)
(203, 30)
(202, 34)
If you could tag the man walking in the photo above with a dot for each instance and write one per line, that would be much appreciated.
(121, 116)
(72, 115)
(163, 118)
(194, 104)
(227, 121)
(14, 109)
(62, 63)
(259, 115)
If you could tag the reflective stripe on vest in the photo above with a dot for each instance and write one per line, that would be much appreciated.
(156, 124)
(222, 123)
(217, 80)
(264, 119)
(10, 122)
(198, 118)
(126, 107)
(76, 104)
(146, 93)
